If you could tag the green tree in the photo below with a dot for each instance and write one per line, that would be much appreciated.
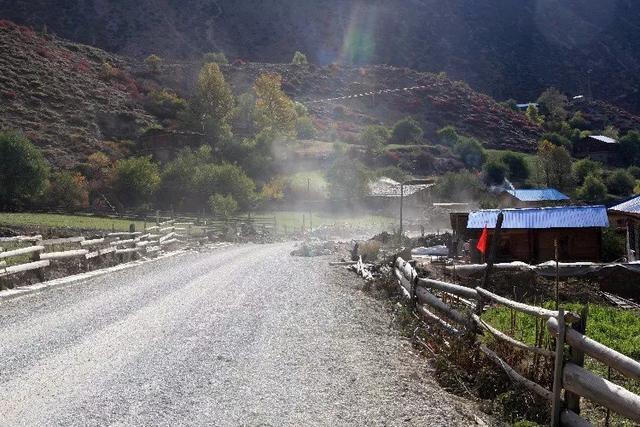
(68, 190)
(375, 138)
(213, 102)
(299, 58)
(136, 180)
(223, 206)
(153, 62)
(348, 180)
(23, 171)
(517, 168)
(611, 131)
(620, 183)
(406, 131)
(592, 190)
(166, 104)
(305, 129)
(275, 109)
(448, 136)
(629, 148)
(495, 172)
(460, 186)
(634, 171)
(578, 121)
(553, 104)
(534, 115)
(471, 152)
(215, 58)
(585, 167)
(225, 179)
(554, 163)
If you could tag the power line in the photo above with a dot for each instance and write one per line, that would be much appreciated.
(360, 95)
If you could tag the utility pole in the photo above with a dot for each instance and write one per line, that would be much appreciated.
(401, 201)
(309, 202)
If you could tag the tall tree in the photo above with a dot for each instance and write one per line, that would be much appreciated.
(275, 109)
(554, 164)
(213, 103)
(553, 104)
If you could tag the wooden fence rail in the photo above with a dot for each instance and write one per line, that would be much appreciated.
(576, 380)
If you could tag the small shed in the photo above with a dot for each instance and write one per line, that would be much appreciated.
(385, 192)
(531, 198)
(529, 234)
(600, 148)
(625, 217)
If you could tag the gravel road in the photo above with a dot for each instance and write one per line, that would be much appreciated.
(245, 335)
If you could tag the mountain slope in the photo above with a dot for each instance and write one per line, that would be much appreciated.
(501, 47)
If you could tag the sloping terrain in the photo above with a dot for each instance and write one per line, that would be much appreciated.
(59, 94)
(506, 48)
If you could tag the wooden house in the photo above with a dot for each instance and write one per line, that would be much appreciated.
(531, 198)
(529, 234)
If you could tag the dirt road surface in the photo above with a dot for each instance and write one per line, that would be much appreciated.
(245, 335)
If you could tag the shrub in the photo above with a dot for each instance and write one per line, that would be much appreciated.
(553, 104)
(23, 171)
(634, 171)
(166, 104)
(68, 190)
(534, 115)
(299, 58)
(461, 186)
(305, 129)
(225, 179)
(223, 206)
(613, 245)
(407, 131)
(153, 62)
(517, 168)
(374, 138)
(471, 152)
(620, 183)
(592, 190)
(557, 139)
(448, 136)
(495, 172)
(629, 148)
(215, 58)
(136, 180)
(348, 180)
(578, 121)
(585, 167)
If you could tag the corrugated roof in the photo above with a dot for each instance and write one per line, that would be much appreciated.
(552, 217)
(603, 139)
(387, 187)
(538, 195)
(630, 206)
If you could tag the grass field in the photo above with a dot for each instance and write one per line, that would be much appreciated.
(66, 221)
(293, 220)
(613, 327)
(317, 183)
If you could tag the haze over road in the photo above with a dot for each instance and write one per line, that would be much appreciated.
(246, 335)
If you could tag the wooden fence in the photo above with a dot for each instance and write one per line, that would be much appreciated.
(42, 252)
(567, 328)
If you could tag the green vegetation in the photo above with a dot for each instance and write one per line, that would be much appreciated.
(23, 171)
(406, 131)
(585, 167)
(305, 129)
(67, 221)
(299, 58)
(620, 182)
(554, 164)
(67, 190)
(153, 62)
(448, 136)
(348, 180)
(275, 109)
(214, 102)
(375, 138)
(470, 152)
(291, 220)
(553, 105)
(166, 104)
(136, 180)
(223, 206)
(592, 190)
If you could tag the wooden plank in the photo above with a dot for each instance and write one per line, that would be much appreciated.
(21, 251)
(598, 351)
(123, 242)
(12, 239)
(506, 338)
(3, 264)
(153, 249)
(529, 309)
(62, 241)
(25, 267)
(154, 228)
(65, 254)
(92, 242)
(425, 297)
(571, 419)
(515, 376)
(166, 230)
(601, 391)
(127, 250)
(556, 403)
(125, 234)
(440, 322)
(167, 237)
(143, 244)
(169, 242)
(100, 252)
(462, 291)
(404, 284)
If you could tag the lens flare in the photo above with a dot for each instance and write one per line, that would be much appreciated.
(358, 46)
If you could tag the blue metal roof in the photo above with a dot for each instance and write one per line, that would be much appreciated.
(630, 206)
(538, 195)
(552, 217)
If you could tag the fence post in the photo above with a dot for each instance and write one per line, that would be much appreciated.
(577, 357)
(557, 371)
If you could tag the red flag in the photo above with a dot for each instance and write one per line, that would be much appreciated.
(482, 242)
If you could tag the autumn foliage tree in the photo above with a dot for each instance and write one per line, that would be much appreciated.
(554, 165)
(214, 102)
(275, 109)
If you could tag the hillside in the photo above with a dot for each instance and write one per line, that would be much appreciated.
(505, 48)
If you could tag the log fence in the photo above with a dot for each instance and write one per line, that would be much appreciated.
(567, 328)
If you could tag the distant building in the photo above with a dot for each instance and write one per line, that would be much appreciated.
(525, 106)
(531, 198)
(529, 234)
(385, 192)
(600, 148)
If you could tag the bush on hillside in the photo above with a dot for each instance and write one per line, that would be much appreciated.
(68, 190)
(471, 152)
(495, 172)
(461, 186)
(517, 168)
(592, 190)
(447, 136)
(629, 149)
(136, 181)
(305, 129)
(223, 206)
(375, 138)
(585, 167)
(407, 131)
(153, 62)
(620, 183)
(166, 104)
(299, 58)
(23, 171)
